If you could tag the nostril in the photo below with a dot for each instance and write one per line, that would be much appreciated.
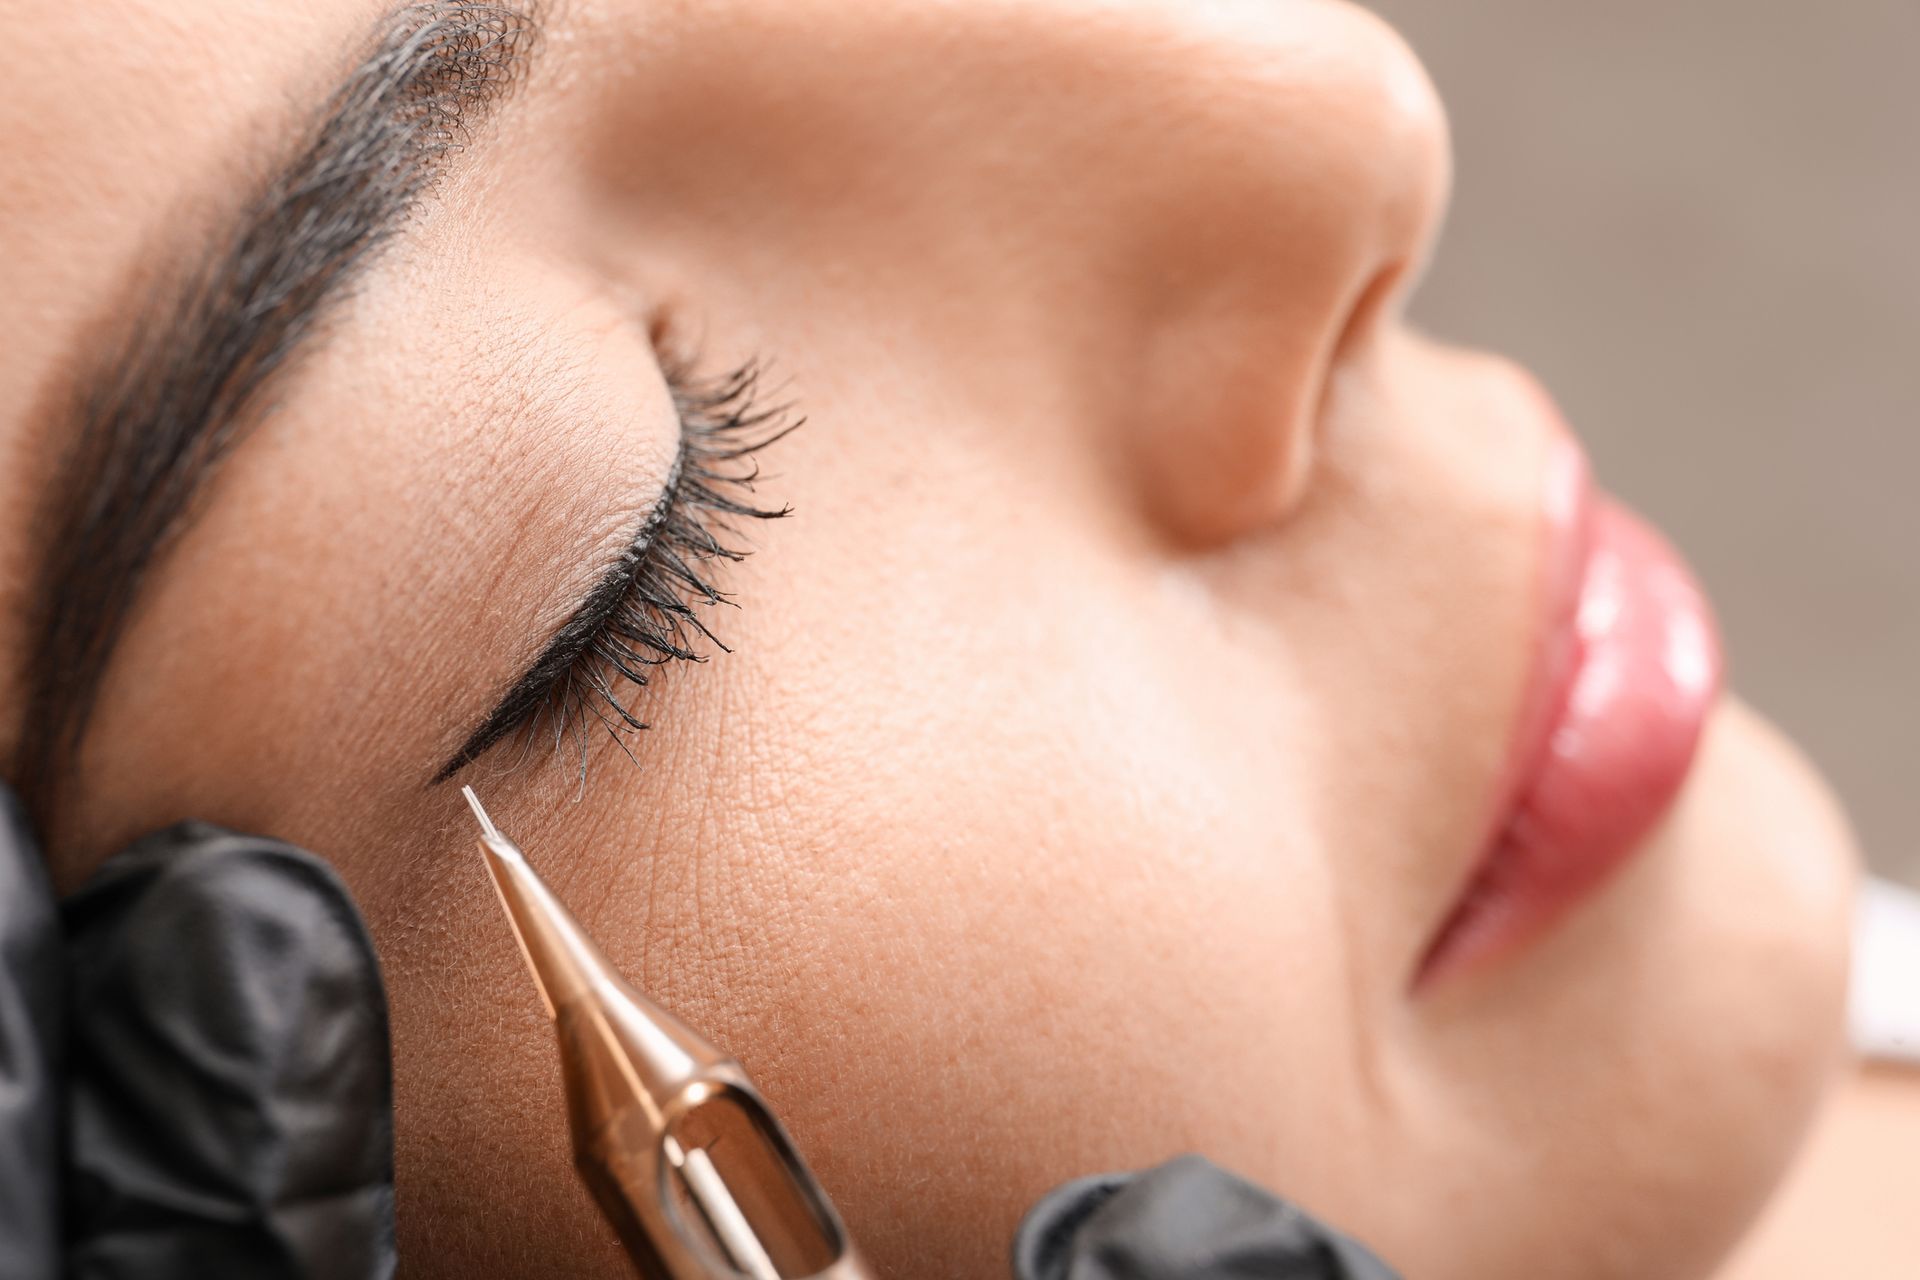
(1239, 407)
(1373, 310)
(1376, 305)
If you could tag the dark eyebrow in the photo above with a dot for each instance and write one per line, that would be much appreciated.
(182, 381)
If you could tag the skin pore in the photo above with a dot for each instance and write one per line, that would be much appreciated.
(1118, 712)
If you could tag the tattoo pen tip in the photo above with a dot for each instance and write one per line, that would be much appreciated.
(473, 802)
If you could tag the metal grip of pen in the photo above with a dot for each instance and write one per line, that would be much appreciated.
(686, 1160)
(721, 1194)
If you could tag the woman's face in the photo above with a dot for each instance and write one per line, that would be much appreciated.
(1099, 746)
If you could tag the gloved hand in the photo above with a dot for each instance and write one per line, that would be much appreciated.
(195, 1074)
(1187, 1219)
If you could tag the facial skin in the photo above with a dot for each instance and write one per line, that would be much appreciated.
(1103, 736)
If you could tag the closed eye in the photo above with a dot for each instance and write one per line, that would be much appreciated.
(644, 611)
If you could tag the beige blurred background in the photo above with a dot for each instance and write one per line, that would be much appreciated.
(1700, 224)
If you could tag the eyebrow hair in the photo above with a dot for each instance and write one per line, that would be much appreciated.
(183, 384)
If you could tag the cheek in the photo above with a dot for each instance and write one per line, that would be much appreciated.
(943, 976)
(962, 941)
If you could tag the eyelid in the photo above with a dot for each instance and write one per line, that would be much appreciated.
(570, 641)
(641, 613)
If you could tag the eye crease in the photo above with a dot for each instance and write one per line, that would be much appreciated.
(643, 611)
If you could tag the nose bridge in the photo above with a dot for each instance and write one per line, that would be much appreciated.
(1340, 172)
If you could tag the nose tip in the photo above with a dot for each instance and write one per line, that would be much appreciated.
(1396, 105)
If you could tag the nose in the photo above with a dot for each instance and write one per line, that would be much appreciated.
(1167, 226)
(1307, 163)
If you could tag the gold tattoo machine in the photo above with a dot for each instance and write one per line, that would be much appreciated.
(686, 1159)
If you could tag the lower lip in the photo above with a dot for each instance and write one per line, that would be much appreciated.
(1628, 674)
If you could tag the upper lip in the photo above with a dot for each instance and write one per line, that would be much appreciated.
(1564, 528)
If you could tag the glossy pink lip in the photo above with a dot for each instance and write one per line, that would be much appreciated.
(1627, 669)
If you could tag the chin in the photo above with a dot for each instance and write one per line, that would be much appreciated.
(1740, 935)
(1769, 871)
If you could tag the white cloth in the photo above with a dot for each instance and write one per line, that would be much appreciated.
(1883, 1008)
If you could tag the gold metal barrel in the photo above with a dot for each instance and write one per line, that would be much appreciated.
(684, 1156)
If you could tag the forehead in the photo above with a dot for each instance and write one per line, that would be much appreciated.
(126, 128)
(126, 123)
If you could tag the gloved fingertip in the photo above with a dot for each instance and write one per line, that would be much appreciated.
(1187, 1219)
(1045, 1240)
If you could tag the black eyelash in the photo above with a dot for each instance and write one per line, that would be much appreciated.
(645, 611)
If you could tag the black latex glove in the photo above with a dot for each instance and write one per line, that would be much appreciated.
(195, 1074)
(1187, 1219)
